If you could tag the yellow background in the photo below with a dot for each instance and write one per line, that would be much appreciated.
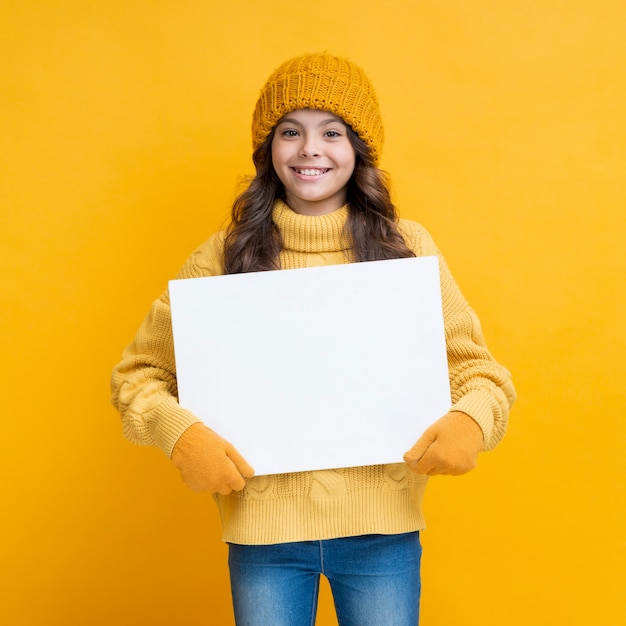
(124, 131)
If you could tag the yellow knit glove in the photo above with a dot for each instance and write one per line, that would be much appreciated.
(450, 446)
(207, 462)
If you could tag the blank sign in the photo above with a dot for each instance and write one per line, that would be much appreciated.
(316, 368)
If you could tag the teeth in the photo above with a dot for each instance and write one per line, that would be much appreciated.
(311, 172)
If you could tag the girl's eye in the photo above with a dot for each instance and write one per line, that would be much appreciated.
(332, 133)
(290, 133)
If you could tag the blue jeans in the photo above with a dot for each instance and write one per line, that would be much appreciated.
(375, 581)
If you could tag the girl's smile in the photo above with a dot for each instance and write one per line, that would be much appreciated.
(309, 172)
(314, 159)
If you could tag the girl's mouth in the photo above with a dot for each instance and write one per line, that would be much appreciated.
(310, 171)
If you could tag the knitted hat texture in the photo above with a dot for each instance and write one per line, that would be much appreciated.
(324, 82)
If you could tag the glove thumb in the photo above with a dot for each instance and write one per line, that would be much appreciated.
(419, 449)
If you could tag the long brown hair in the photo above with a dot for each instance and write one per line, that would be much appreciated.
(253, 242)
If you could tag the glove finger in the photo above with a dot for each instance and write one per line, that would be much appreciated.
(237, 483)
(243, 467)
(223, 490)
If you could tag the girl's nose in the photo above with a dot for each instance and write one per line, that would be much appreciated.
(310, 147)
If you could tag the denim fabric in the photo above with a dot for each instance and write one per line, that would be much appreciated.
(375, 581)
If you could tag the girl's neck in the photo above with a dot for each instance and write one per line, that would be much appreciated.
(311, 233)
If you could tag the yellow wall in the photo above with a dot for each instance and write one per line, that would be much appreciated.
(124, 127)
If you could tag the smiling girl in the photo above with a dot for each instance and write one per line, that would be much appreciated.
(314, 160)
(318, 198)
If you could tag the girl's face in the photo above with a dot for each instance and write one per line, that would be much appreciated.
(314, 159)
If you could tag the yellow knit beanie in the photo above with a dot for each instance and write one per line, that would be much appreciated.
(325, 82)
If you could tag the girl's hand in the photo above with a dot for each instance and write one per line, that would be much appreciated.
(209, 463)
(450, 446)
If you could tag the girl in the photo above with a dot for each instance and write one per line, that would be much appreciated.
(318, 198)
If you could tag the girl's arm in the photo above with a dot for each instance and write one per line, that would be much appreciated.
(481, 389)
(143, 384)
(144, 391)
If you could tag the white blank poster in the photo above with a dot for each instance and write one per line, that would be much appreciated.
(316, 368)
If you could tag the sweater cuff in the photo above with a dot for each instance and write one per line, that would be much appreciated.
(173, 421)
(477, 405)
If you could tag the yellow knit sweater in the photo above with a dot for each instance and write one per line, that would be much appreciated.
(321, 504)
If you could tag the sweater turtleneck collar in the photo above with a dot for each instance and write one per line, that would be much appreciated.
(311, 233)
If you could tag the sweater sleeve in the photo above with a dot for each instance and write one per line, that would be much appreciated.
(143, 384)
(479, 385)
